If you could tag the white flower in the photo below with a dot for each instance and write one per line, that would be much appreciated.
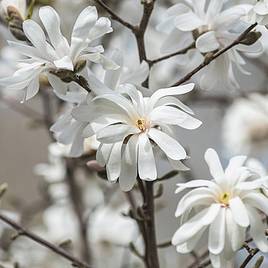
(212, 29)
(258, 13)
(130, 124)
(19, 5)
(245, 125)
(226, 206)
(45, 56)
(73, 131)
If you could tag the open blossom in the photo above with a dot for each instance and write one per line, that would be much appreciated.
(211, 28)
(72, 131)
(225, 206)
(46, 56)
(245, 125)
(131, 126)
(258, 13)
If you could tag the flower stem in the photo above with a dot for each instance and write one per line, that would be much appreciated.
(151, 232)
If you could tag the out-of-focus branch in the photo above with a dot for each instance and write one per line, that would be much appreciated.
(59, 251)
(114, 16)
(250, 256)
(79, 209)
(211, 57)
(171, 55)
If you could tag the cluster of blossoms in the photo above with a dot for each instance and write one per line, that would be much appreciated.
(128, 123)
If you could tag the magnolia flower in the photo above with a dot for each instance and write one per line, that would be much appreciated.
(225, 206)
(19, 5)
(212, 29)
(245, 125)
(44, 56)
(69, 129)
(129, 125)
(258, 13)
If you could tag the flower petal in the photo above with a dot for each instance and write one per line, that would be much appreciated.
(146, 161)
(207, 42)
(167, 144)
(239, 212)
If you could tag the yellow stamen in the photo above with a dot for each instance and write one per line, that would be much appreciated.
(225, 198)
(141, 124)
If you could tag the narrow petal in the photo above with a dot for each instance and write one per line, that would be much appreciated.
(214, 165)
(167, 144)
(239, 212)
(217, 233)
(146, 161)
(128, 173)
(257, 230)
(188, 21)
(113, 166)
(207, 42)
(51, 22)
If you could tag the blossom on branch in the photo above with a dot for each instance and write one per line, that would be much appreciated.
(57, 55)
(212, 28)
(225, 206)
(130, 127)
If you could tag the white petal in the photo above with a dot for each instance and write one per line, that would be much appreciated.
(51, 22)
(217, 233)
(195, 224)
(179, 90)
(103, 154)
(112, 77)
(236, 233)
(207, 42)
(235, 163)
(257, 200)
(146, 161)
(128, 174)
(113, 166)
(59, 86)
(239, 212)
(257, 230)
(252, 185)
(102, 27)
(115, 133)
(35, 34)
(196, 197)
(214, 165)
(85, 21)
(32, 89)
(64, 63)
(188, 21)
(166, 143)
(194, 184)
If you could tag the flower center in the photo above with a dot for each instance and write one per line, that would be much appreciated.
(141, 124)
(225, 198)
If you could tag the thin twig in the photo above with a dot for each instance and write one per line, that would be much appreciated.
(180, 52)
(59, 251)
(212, 57)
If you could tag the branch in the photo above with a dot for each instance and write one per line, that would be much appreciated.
(249, 257)
(180, 52)
(22, 232)
(212, 57)
(114, 16)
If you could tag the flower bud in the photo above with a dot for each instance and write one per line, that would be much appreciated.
(251, 38)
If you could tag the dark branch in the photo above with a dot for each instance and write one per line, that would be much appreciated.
(59, 251)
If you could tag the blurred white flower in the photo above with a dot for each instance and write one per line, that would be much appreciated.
(44, 56)
(258, 13)
(129, 124)
(226, 206)
(245, 125)
(211, 28)
(111, 233)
